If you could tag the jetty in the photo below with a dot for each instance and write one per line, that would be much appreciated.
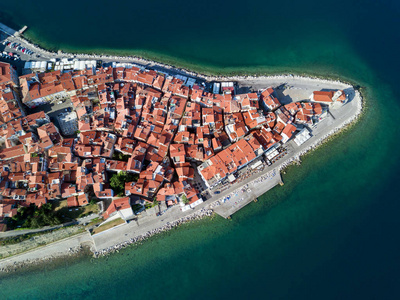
(22, 30)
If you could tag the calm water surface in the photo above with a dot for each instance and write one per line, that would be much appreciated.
(331, 232)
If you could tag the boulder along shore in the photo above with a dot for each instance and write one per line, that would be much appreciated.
(195, 216)
(135, 59)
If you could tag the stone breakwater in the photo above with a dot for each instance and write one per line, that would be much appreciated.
(143, 61)
(170, 225)
(72, 252)
(323, 139)
(117, 58)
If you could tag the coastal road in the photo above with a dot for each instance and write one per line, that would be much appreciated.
(13, 233)
(81, 221)
(53, 250)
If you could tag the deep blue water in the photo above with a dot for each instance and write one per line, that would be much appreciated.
(331, 232)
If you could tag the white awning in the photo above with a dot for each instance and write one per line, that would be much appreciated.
(231, 178)
(256, 165)
(302, 136)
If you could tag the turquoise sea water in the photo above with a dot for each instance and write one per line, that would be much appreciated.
(331, 232)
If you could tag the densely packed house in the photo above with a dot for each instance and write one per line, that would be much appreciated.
(166, 130)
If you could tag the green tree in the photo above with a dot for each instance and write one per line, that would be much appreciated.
(34, 223)
(120, 156)
(21, 210)
(35, 217)
(46, 207)
(117, 181)
(185, 199)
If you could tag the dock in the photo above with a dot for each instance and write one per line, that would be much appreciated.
(22, 30)
(254, 190)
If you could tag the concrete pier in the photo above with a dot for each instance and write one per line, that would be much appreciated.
(21, 31)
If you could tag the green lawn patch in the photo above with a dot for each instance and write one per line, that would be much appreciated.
(108, 225)
(67, 214)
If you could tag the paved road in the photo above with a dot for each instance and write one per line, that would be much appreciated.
(13, 233)
(56, 249)
(81, 221)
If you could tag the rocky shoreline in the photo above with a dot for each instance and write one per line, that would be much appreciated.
(29, 263)
(76, 252)
(144, 61)
(195, 216)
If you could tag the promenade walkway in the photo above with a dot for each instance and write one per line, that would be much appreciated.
(248, 193)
